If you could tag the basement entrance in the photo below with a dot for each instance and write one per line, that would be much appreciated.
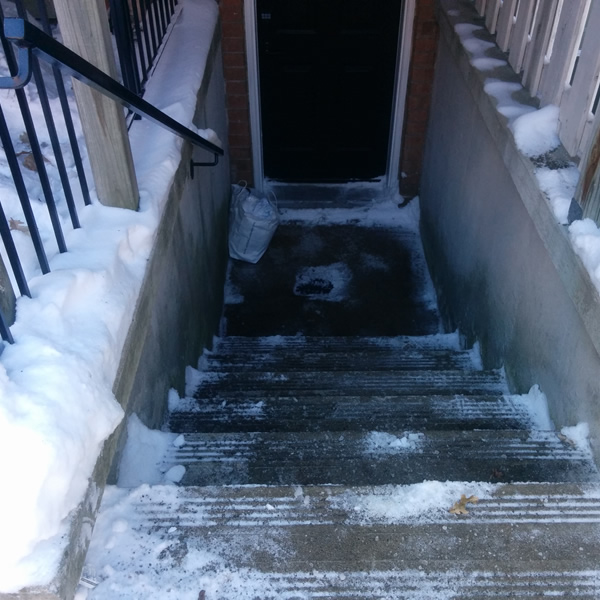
(327, 75)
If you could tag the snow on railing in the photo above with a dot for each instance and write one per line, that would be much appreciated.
(554, 46)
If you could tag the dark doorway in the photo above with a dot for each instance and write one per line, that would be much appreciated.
(327, 73)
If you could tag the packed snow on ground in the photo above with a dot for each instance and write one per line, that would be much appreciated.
(56, 381)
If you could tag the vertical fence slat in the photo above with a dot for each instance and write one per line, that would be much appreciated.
(15, 171)
(566, 44)
(588, 187)
(480, 6)
(8, 303)
(505, 24)
(491, 14)
(538, 45)
(520, 34)
(55, 143)
(576, 102)
(11, 250)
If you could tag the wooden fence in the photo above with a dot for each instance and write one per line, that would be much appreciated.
(554, 45)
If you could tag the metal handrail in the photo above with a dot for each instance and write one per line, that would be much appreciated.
(29, 38)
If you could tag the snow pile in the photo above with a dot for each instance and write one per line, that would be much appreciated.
(585, 238)
(378, 442)
(418, 503)
(56, 381)
(502, 92)
(143, 455)
(536, 132)
(578, 435)
(536, 404)
(559, 186)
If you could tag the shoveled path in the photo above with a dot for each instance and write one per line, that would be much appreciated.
(318, 460)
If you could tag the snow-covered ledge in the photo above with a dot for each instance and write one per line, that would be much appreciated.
(110, 329)
(495, 198)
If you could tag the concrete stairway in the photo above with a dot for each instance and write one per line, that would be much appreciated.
(291, 446)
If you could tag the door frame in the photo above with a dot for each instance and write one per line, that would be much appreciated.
(403, 56)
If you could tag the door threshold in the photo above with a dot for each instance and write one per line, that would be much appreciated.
(327, 195)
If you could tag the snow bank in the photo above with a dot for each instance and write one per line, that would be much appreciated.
(57, 405)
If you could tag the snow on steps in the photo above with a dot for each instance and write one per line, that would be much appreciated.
(518, 541)
(304, 437)
(348, 413)
(358, 458)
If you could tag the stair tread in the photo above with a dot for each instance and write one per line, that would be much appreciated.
(236, 343)
(360, 458)
(317, 413)
(388, 359)
(331, 541)
(252, 383)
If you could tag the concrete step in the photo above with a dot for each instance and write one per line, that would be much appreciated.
(247, 345)
(385, 359)
(358, 458)
(518, 541)
(346, 413)
(338, 353)
(267, 384)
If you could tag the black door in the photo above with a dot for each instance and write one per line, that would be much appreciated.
(327, 71)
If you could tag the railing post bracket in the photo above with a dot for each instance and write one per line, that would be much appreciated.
(203, 164)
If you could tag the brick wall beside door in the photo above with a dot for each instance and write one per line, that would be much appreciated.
(236, 80)
(417, 101)
(418, 96)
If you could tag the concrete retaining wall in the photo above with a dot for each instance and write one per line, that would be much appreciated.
(505, 272)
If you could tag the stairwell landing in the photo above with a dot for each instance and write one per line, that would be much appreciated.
(334, 444)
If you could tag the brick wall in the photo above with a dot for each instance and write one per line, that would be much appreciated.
(417, 101)
(236, 78)
(418, 97)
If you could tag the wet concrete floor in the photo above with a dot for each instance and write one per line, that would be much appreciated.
(333, 280)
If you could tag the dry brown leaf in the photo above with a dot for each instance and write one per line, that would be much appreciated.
(563, 438)
(460, 507)
(17, 225)
(29, 160)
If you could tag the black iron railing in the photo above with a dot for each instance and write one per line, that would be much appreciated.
(139, 27)
(33, 43)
